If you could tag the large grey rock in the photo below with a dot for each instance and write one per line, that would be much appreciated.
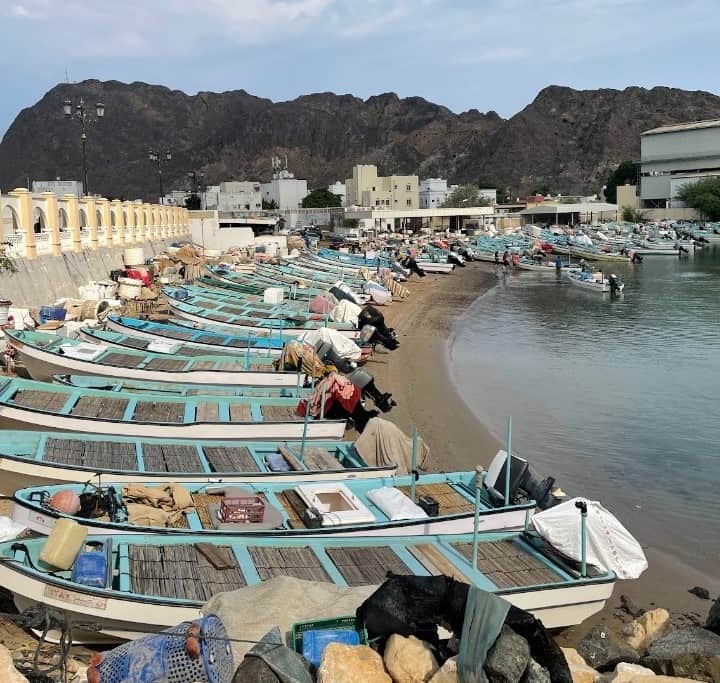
(535, 673)
(713, 620)
(689, 652)
(603, 651)
(508, 658)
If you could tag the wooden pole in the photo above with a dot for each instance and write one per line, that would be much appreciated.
(508, 461)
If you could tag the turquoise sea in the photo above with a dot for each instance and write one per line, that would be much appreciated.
(618, 398)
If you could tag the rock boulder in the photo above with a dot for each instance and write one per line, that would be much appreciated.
(689, 652)
(447, 673)
(626, 673)
(508, 658)
(409, 660)
(350, 663)
(646, 628)
(601, 649)
(8, 672)
(579, 670)
(713, 620)
(535, 673)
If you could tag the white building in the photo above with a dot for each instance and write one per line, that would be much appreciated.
(489, 194)
(234, 196)
(340, 190)
(58, 187)
(175, 198)
(433, 193)
(284, 189)
(367, 188)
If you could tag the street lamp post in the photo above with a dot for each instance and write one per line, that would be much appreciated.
(158, 158)
(197, 183)
(82, 114)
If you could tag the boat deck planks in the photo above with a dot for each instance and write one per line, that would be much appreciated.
(436, 563)
(135, 342)
(202, 365)
(100, 406)
(171, 458)
(366, 566)
(450, 502)
(119, 359)
(161, 411)
(279, 413)
(301, 563)
(208, 411)
(181, 571)
(201, 502)
(166, 364)
(225, 459)
(508, 565)
(240, 412)
(94, 454)
(316, 458)
(40, 400)
(294, 507)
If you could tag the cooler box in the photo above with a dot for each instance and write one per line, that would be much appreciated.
(273, 295)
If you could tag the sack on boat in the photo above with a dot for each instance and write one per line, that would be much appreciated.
(154, 496)
(147, 515)
(346, 312)
(323, 303)
(343, 347)
(181, 496)
(395, 504)
(382, 443)
(609, 544)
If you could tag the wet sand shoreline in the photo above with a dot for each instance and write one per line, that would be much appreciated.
(419, 376)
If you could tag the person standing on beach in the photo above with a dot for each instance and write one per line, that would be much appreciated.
(558, 264)
(506, 260)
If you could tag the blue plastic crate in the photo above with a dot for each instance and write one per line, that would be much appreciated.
(91, 568)
(315, 641)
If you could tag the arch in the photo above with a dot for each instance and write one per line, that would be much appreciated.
(10, 221)
(98, 218)
(113, 218)
(83, 219)
(63, 220)
(126, 222)
(39, 221)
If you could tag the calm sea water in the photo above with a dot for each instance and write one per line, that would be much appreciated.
(617, 398)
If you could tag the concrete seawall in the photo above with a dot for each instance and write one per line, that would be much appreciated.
(47, 278)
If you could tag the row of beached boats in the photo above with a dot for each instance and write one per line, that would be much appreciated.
(192, 459)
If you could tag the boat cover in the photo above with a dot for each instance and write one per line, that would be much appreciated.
(395, 504)
(343, 347)
(82, 351)
(346, 312)
(382, 443)
(609, 544)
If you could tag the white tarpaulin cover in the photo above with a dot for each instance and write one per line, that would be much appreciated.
(346, 312)
(82, 351)
(609, 544)
(383, 443)
(395, 504)
(9, 529)
(344, 347)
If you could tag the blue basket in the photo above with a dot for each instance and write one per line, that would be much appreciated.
(162, 657)
(51, 313)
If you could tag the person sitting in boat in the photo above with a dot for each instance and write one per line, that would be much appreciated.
(584, 266)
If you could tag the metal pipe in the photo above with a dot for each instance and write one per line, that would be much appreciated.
(582, 506)
(413, 464)
(322, 405)
(508, 461)
(480, 475)
(305, 428)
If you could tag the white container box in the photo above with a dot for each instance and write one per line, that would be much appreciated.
(133, 256)
(129, 288)
(273, 295)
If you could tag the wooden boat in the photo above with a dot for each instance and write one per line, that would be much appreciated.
(312, 273)
(546, 268)
(258, 283)
(589, 254)
(215, 286)
(200, 339)
(343, 507)
(176, 388)
(595, 282)
(30, 458)
(26, 404)
(203, 313)
(157, 583)
(45, 355)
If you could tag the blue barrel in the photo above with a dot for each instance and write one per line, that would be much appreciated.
(51, 313)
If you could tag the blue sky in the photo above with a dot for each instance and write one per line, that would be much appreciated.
(483, 54)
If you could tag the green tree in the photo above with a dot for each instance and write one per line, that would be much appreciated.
(269, 205)
(503, 193)
(632, 215)
(625, 172)
(465, 195)
(193, 202)
(703, 196)
(321, 199)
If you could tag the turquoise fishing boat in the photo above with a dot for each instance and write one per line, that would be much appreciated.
(150, 583)
(26, 404)
(36, 458)
(45, 355)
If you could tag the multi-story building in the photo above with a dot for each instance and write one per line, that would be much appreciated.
(339, 189)
(673, 156)
(284, 189)
(58, 187)
(234, 196)
(396, 192)
(433, 193)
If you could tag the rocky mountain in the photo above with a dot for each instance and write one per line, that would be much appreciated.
(565, 140)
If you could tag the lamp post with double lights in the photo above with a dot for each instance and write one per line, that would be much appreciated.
(81, 112)
(159, 158)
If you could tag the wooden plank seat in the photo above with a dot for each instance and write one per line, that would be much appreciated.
(119, 456)
(49, 401)
(181, 571)
(160, 411)
(436, 563)
(230, 459)
(508, 565)
(100, 407)
(366, 566)
(301, 563)
(171, 458)
(450, 502)
(294, 507)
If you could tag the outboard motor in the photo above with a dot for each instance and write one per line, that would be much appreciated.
(371, 317)
(456, 259)
(614, 281)
(366, 383)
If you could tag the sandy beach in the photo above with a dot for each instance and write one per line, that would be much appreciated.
(418, 376)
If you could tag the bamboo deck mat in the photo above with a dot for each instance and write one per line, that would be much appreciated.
(181, 571)
(177, 334)
(279, 413)
(507, 565)
(49, 401)
(162, 411)
(95, 454)
(301, 563)
(119, 359)
(201, 502)
(450, 502)
(171, 458)
(230, 459)
(207, 412)
(102, 407)
(166, 364)
(366, 566)
(240, 412)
